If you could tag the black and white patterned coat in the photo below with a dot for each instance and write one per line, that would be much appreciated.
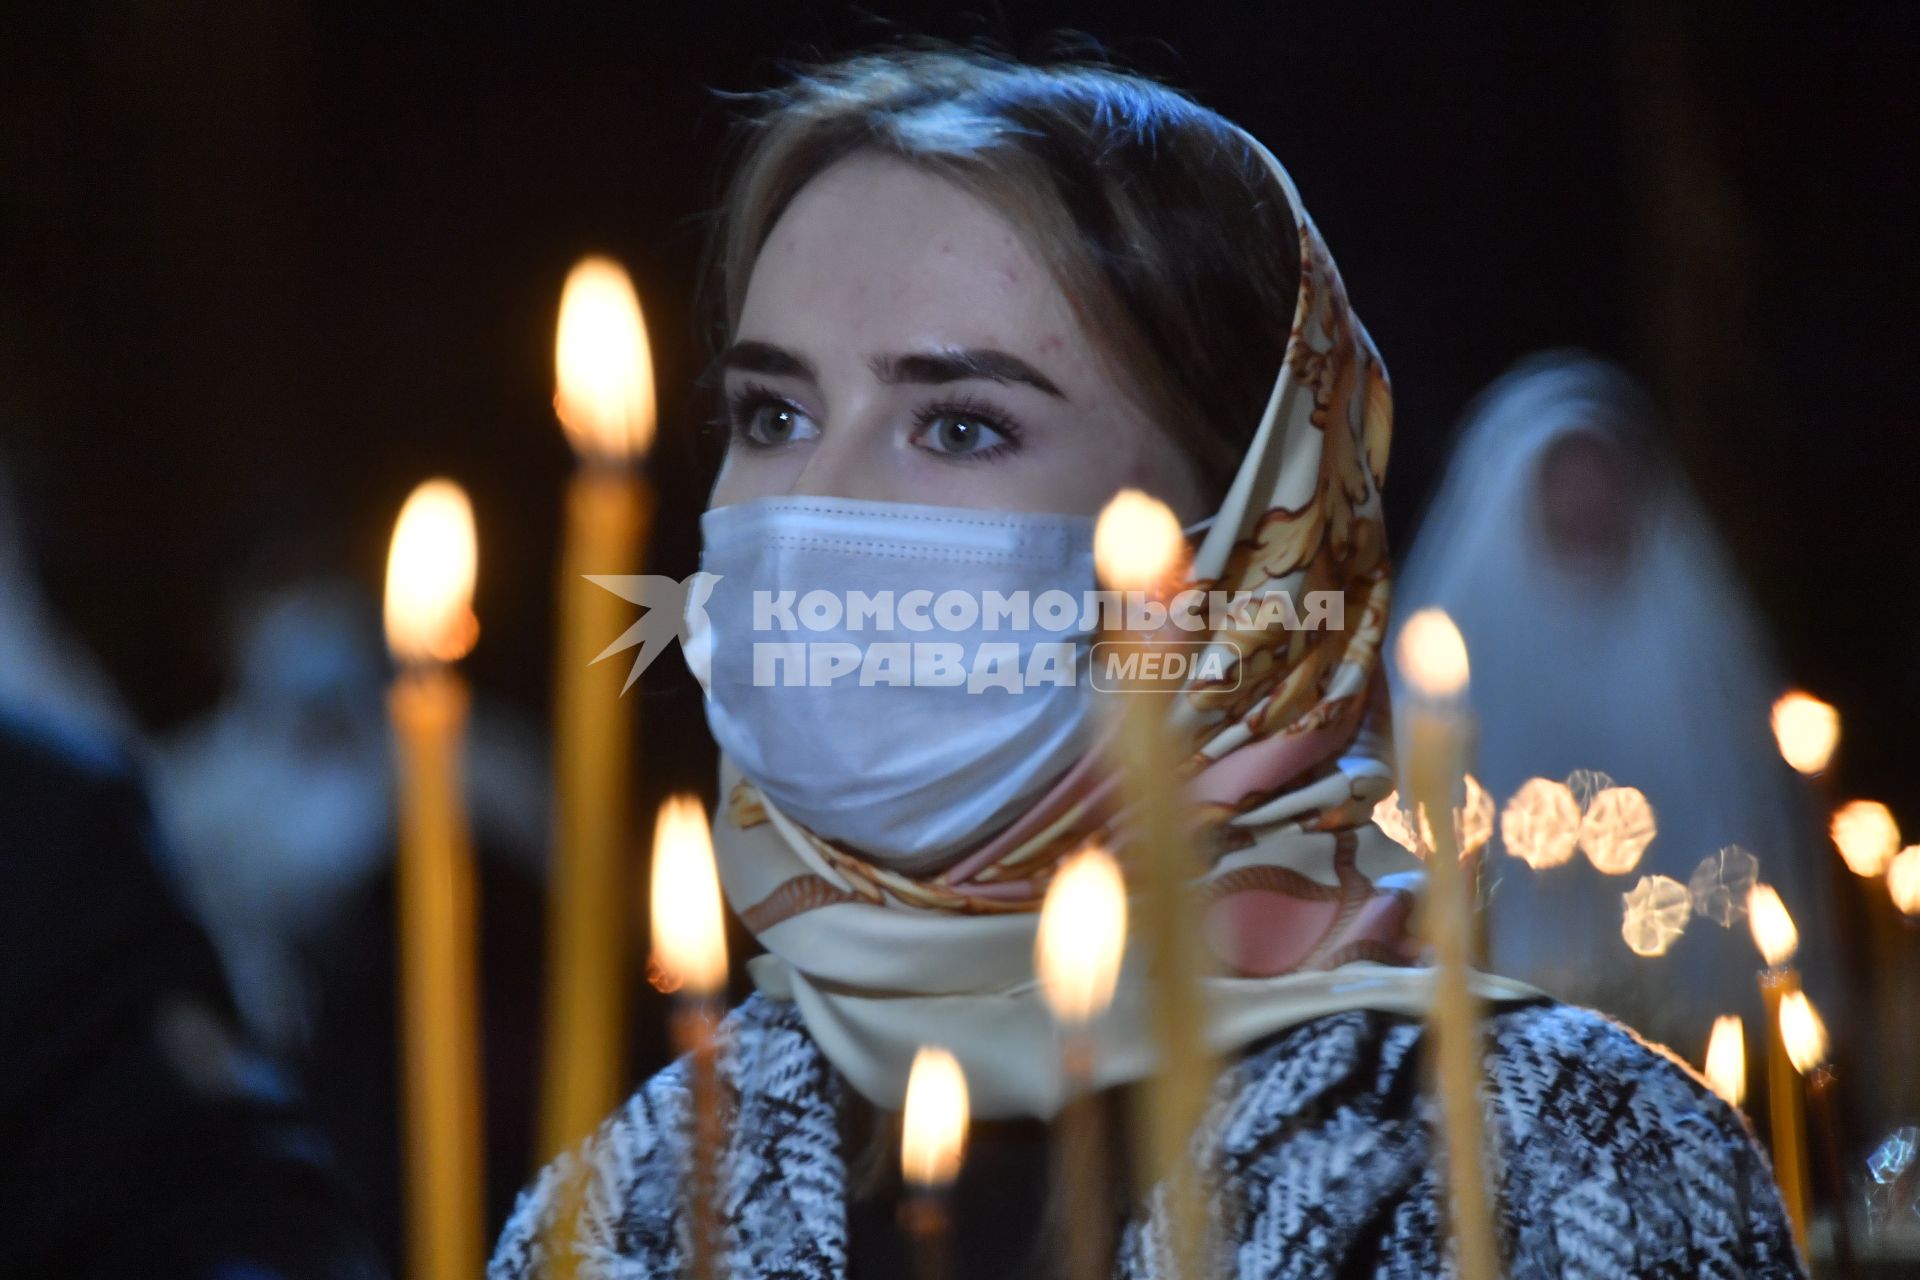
(1615, 1161)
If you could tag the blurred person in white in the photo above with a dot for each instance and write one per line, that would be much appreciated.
(1608, 631)
(278, 803)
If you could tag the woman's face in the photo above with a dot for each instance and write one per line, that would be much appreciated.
(900, 343)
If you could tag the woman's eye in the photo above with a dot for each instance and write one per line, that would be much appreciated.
(768, 424)
(958, 435)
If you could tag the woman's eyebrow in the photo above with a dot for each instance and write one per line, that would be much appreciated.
(749, 356)
(955, 364)
(958, 364)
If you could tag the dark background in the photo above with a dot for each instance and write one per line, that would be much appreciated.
(267, 265)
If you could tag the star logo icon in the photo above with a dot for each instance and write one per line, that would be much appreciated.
(673, 610)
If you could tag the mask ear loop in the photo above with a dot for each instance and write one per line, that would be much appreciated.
(1199, 527)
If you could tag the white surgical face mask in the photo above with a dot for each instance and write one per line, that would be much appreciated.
(856, 673)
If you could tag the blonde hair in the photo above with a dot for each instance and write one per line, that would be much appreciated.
(1164, 228)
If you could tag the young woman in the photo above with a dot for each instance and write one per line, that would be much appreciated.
(966, 301)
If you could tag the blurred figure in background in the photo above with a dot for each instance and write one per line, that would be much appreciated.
(279, 802)
(279, 805)
(142, 1131)
(1607, 632)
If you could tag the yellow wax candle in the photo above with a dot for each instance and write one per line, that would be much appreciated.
(1077, 955)
(1137, 549)
(429, 582)
(1774, 933)
(933, 1141)
(605, 402)
(1433, 658)
(690, 948)
(1785, 1105)
(1804, 1036)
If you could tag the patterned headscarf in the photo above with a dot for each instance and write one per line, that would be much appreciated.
(1304, 903)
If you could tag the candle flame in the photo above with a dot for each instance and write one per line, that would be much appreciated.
(1807, 730)
(1773, 929)
(1721, 882)
(602, 364)
(1432, 655)
(1083, 934)
(1656, 914)
(1474, 821)
(1866, 835)
(430, 572)
(1541, 824)
(1397, 823)
(1903, 880)
(1802, 1032)
(1726, 1068)
(1137, 542)
(689, 924)
(935, 1131)
(1618, 826)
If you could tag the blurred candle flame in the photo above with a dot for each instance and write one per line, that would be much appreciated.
(689, 924)
(602, 364)
(1726, 1067)
(1541, 823)
(1903, 880)
(1137, 543)
(1807, 730)
(1472, 822)
(430, 572)
(1394, 820)
(1802, 1032)
(934, 1137)
(1618, 826)
(1773, 929)
(1082, 936)
(1866, 835)
(1475, 819)
(1657, 911)
(1432, 655)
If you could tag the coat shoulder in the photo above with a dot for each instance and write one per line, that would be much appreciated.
(618, 1184)
(1610, 1156)
(1613, 1148)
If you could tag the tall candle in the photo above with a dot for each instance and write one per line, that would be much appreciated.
(1433, 658)
(1805, 1038)
(1777, 938)
(1077, 954)
(605, 401)
(430, 574)
(933, 1141)
(1137, 550)
(690, 950)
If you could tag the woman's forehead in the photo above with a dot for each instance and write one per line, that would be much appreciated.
(875, 253)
